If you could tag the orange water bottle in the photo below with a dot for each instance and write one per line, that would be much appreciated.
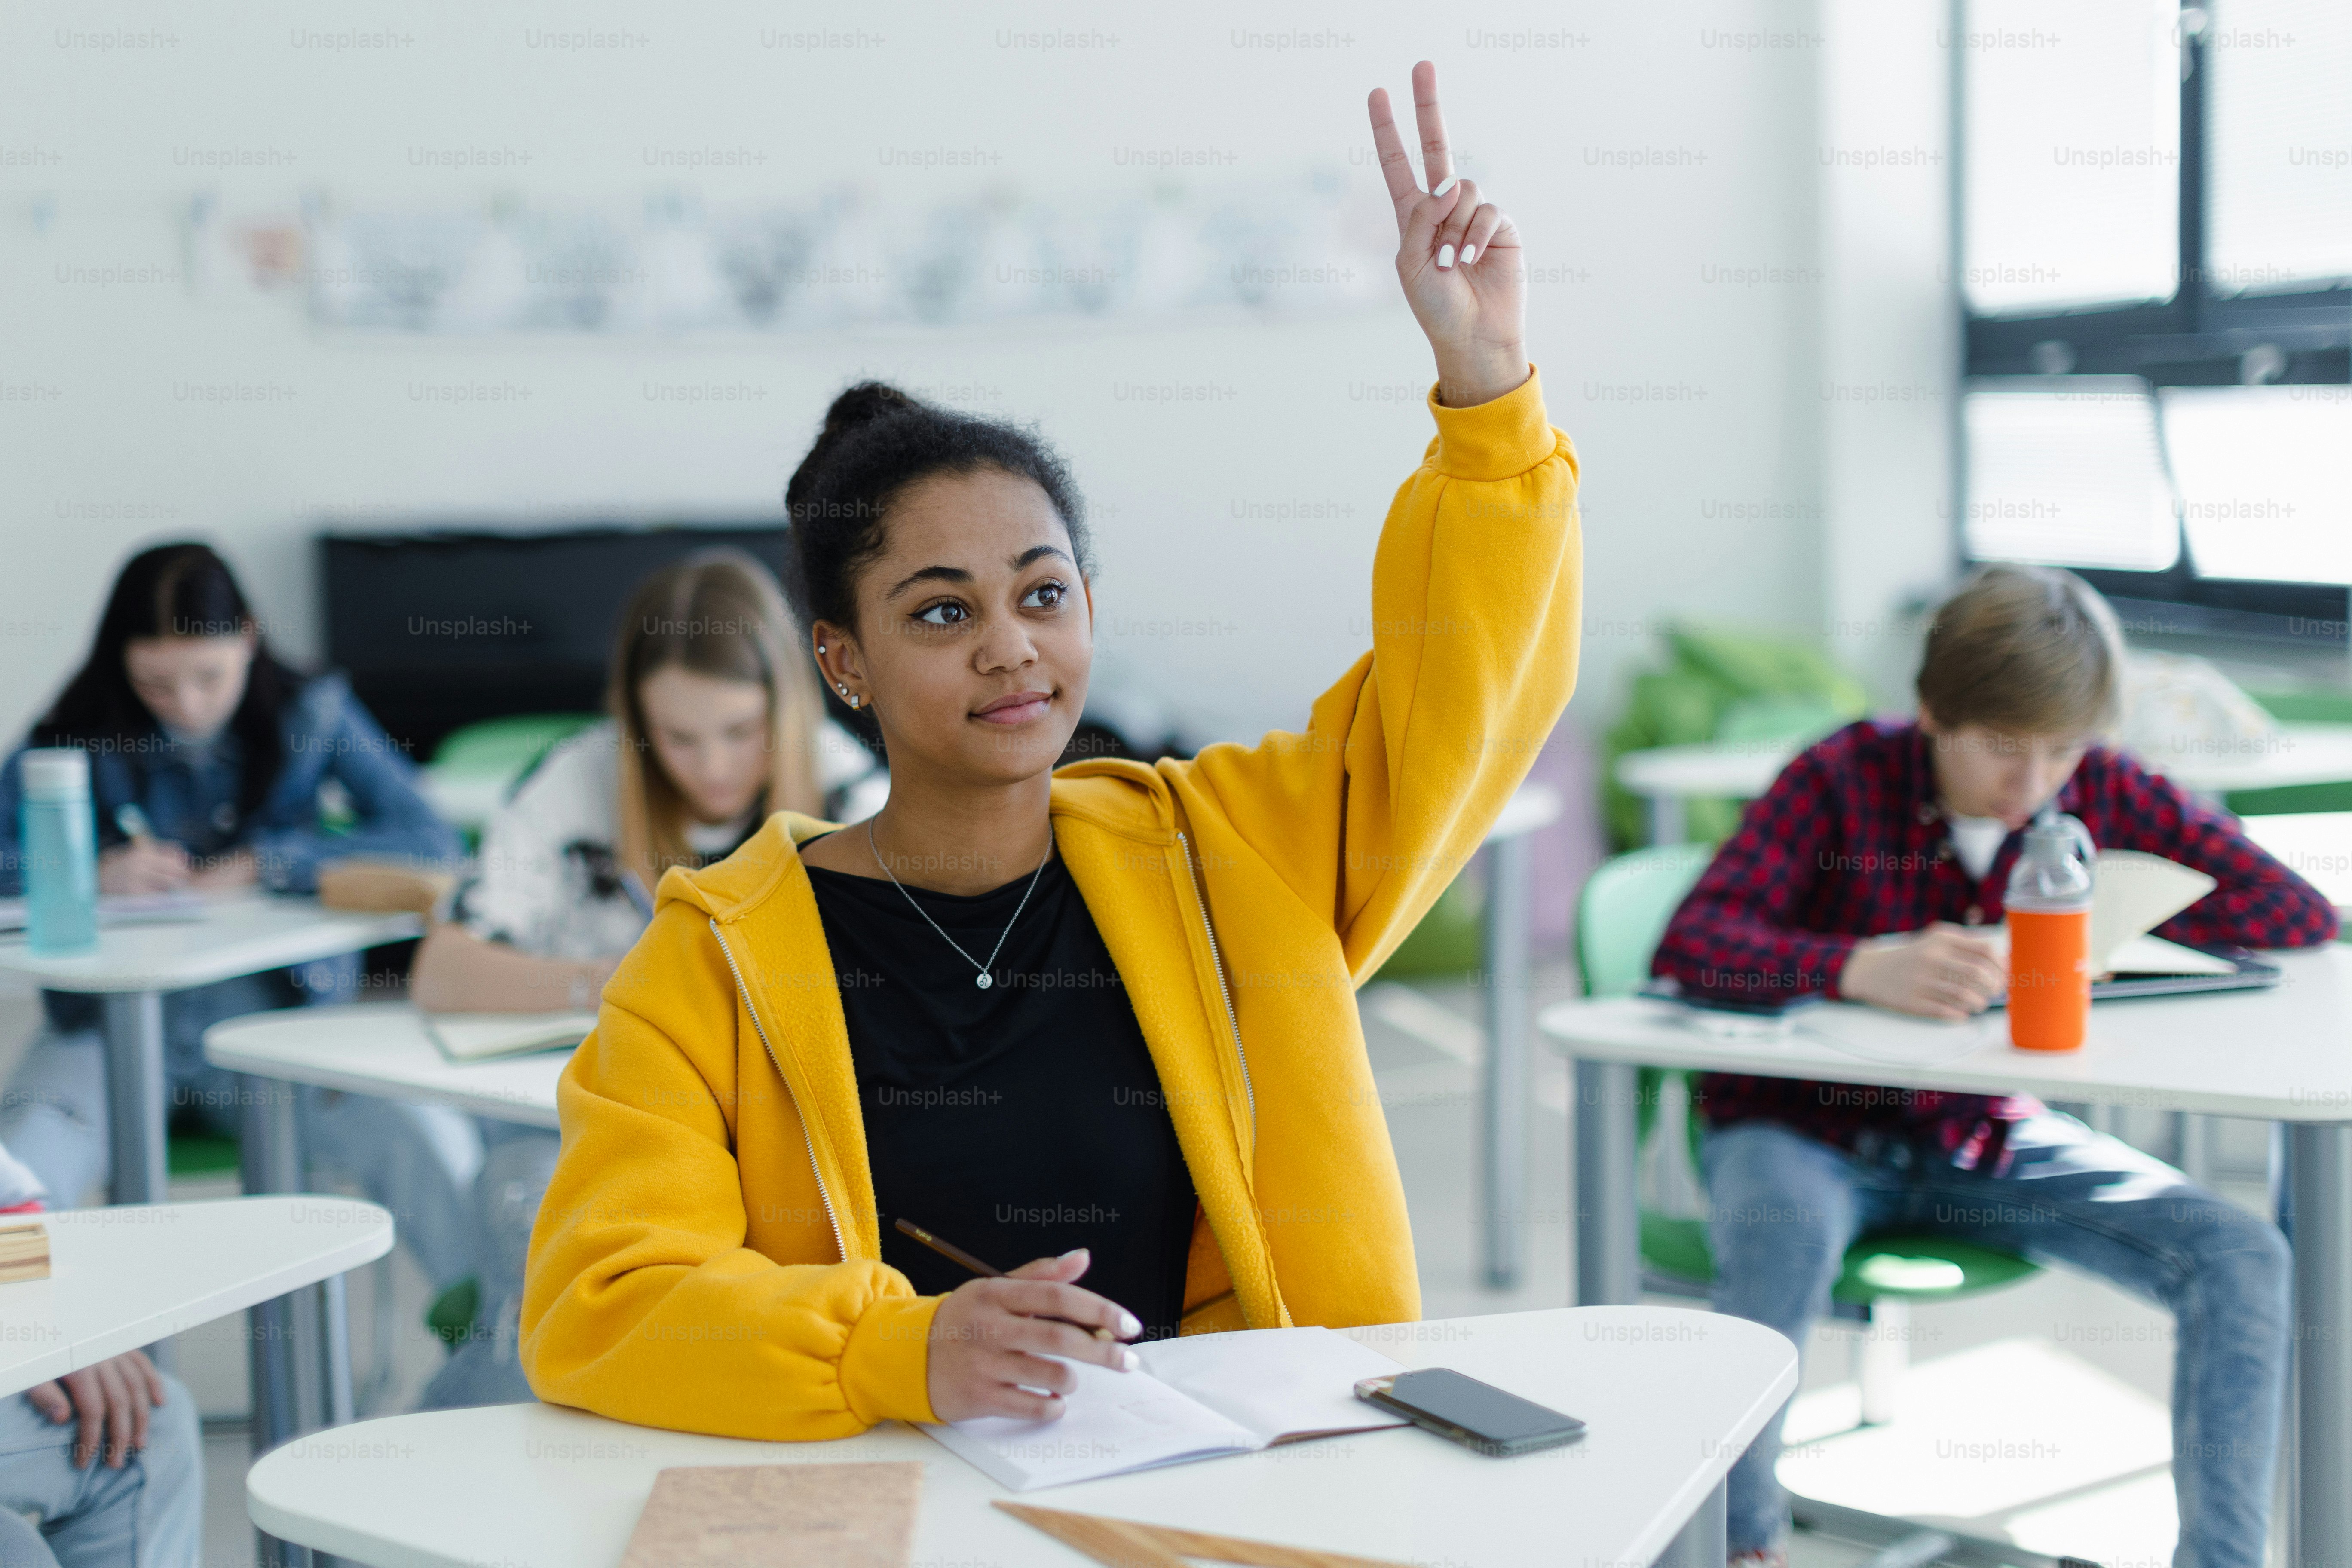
(2049, 904)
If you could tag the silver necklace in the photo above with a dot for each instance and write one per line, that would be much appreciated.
(984, 979)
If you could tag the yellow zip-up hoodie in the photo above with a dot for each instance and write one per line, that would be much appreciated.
(707, 1257)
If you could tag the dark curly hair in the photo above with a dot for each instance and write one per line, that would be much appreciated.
(877, 441)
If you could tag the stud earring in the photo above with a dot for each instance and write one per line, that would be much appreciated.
(840, 687)
(820, 648)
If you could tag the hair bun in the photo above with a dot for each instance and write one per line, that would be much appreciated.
(860, 406)
(863, 404)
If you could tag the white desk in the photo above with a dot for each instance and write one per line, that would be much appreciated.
(1666, 776)
(2315, 845)
(133, 966)
(1673, 1398)
(125, 1277)
(2284, 1055)
(380, 1048)
(376, 1049)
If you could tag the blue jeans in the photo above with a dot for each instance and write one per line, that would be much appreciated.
(148, 1514)
(1784, 1208)
(486, 1369)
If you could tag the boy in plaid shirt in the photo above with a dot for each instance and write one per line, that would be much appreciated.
(1864, 873)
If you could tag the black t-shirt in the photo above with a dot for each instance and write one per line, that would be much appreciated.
(1018, 1121)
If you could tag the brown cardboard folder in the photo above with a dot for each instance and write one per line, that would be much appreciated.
(803, 1516)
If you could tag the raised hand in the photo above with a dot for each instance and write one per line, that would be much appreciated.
(1458, 255)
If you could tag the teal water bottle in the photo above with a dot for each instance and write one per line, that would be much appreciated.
(60, 838)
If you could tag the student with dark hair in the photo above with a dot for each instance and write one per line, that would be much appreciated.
(1872, 870)
(214, 768)
(1101, 1018)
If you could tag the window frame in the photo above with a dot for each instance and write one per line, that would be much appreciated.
(2195, 339)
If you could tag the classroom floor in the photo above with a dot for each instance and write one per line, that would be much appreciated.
(2089, 1368)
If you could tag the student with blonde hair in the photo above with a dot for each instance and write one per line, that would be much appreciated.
(715, 723)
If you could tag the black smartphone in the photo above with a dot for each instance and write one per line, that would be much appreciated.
(1473, 1414)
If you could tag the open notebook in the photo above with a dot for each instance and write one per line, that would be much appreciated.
(1195, 1398)
(2132, 895)
(482, 1037)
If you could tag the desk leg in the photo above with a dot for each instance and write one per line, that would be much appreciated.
(2192, 1141)
(1706, 1541)
(1606, 1197)
(335, 1349)
(1504, 1087)
(2319, 1171)
(271, 1149)
(135, 1095)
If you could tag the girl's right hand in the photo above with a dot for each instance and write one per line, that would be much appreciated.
(143, 865)
(993, 1341)
(1458, 256)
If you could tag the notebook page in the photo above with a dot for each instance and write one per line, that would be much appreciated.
(1111, 1422)
(1275, 1383)
(477, 1037)
(2132, 894)
(2154, 956)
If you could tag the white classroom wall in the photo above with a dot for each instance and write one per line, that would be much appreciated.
(1706, 274)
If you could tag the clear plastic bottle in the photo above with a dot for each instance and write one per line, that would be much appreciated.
(2049, 908)
(60, 840)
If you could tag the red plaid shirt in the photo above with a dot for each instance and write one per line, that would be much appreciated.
(1850, 842)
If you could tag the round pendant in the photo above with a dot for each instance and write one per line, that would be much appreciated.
(983, 980)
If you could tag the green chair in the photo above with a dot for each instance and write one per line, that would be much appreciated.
(1621, 916)
(201, 1154)
(476, 766)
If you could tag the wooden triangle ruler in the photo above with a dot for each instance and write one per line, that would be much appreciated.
(1125, 1544)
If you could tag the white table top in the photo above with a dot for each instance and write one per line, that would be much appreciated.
(1740, 769)
(1743, 769)
(2284, 1054)
(380, 1048)
(2315, 845)
(2296, 754)
(125, 1277)
(1531, 808)
(1671, 1398)
(249, 935)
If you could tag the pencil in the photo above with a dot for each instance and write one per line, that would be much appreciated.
(957, 1256)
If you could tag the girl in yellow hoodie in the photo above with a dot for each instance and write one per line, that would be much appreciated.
(1106, 1012)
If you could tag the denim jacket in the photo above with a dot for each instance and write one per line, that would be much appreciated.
(336, 757)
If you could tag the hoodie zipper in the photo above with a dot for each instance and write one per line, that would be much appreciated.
(807, 1137)
(1216, 959)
